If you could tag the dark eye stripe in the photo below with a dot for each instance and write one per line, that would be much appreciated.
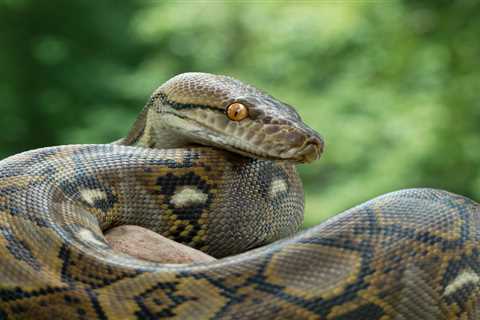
(183, 106)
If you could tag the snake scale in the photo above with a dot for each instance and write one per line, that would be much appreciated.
(210, 162)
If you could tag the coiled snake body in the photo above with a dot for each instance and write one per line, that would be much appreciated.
(412, 254)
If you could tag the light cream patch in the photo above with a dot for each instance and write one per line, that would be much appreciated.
(187, 196)
(88, 236)
(158, 135)
(464, 278)
(277, 186)
(92, 195)
(168, 136)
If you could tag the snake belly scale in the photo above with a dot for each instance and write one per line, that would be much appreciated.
(210, 162)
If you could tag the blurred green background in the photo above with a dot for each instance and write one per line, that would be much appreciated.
(393, 86)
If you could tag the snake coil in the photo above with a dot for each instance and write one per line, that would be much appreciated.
(210, 162)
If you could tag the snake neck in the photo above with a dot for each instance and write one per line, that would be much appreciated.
(149, 131)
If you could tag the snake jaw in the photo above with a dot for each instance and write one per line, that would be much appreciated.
(258, 146)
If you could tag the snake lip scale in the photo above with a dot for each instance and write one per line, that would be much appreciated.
(311, 150)
(211, 162)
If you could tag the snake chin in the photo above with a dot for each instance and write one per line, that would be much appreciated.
(206, 135)
(196, 133)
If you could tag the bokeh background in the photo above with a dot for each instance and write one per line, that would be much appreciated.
(393, 86)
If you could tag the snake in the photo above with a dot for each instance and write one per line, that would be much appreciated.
(211, 162)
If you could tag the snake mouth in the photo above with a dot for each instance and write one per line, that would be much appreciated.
(300, 146)
(310, 151)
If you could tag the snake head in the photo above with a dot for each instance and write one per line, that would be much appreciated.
(219, 111)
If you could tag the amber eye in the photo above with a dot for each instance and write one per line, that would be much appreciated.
(237, 111)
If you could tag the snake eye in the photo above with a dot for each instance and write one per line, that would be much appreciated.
(237, 111)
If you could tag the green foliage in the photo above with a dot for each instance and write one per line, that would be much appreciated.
(392, 85)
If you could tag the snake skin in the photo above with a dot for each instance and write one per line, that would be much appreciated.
(412, 254)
